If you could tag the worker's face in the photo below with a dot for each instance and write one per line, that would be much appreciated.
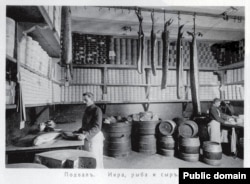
(87, 100)
(217, 104)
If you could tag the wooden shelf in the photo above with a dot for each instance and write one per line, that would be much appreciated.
(10, 106)
(235, 83)
(234, 100)
(113, 66)
(33, 71)
(38, 105)
(128, 85)
(84, 84)
(46, 37)
(9, 58)
(40, 26)
(232, 66)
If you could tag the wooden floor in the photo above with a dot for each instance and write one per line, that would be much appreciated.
(139, 161)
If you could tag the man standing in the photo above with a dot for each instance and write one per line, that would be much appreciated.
(90, 131)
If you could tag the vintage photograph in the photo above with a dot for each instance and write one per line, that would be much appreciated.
(124, 87)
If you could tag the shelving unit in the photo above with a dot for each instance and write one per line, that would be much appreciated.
(232, 88)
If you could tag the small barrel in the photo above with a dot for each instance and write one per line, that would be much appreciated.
(166, 145)
(167, 127)
(166, 152)
(117, 130)
(146, 127)
(117, 147)
(188, 129)
(166, 142)
(212, 153)
(147, 144)
(189, 157)
(189, 145)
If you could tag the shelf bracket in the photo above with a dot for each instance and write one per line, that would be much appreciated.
(145, 106)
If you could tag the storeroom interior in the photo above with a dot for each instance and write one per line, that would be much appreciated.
(153, 71)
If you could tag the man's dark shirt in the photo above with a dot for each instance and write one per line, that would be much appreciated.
(92, 121)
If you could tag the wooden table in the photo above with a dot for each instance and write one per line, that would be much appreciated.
(14, 151)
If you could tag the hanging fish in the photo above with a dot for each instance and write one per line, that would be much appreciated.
(66, 54)
(165, 55)
(194, 74)
(179, 63)
(153, 43)
(140, 42)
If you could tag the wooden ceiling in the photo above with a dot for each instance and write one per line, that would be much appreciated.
(209, 21)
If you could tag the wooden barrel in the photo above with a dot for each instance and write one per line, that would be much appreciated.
(188, 129)
(166, 145)
(146, 127)
(212, 153)
(166, 142)
(118, 130)
(166, 152)
(117, 147)
(147, 144)
(189, 145)
(167, 127)
(189, 157)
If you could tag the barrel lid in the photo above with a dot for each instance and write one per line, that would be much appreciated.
(167, 127)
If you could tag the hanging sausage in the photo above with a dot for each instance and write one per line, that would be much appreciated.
(153, 44)
(66, 55)
(179, 63)
(140, 42)
(194, 73)
(165, 55)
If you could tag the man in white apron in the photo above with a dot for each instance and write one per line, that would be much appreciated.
(90, 131)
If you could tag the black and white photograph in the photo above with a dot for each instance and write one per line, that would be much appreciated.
(143, 88)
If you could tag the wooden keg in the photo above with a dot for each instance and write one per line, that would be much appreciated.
(117, 147)
(147, 144)
(167, 152)
(188, 129)
(166, 142)
(146, 127)
(189, 157)
(212, 153)
(189, 145)
(167, 127)
(166, 145)
(118, 130)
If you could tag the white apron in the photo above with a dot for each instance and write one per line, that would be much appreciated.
(95, 146)
(214, 131)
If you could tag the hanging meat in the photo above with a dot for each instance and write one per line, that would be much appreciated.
(179, 63)
(140, 42)
(66, 39)
(153, 44)
(165, 55)
(194, 73)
